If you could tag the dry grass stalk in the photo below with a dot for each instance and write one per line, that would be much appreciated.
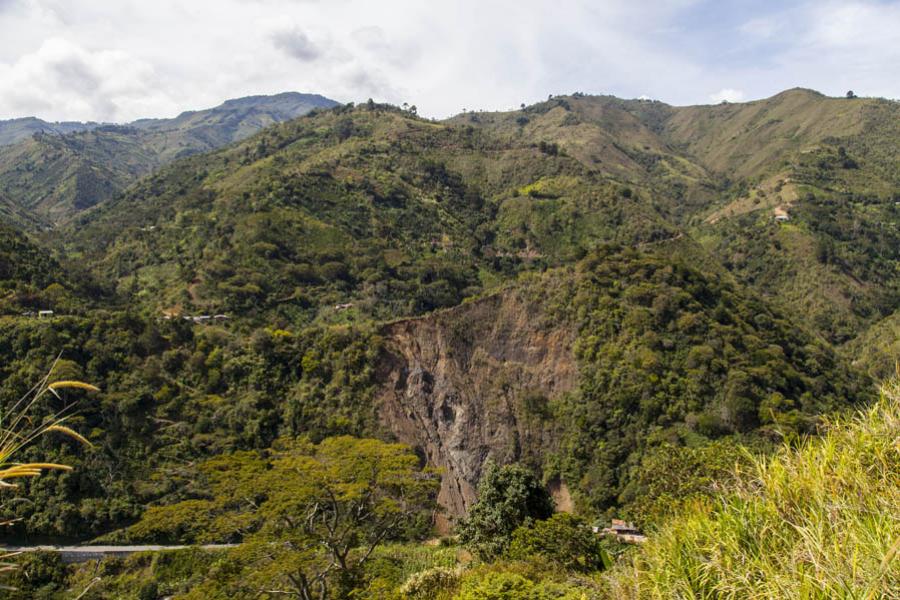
(17, 430)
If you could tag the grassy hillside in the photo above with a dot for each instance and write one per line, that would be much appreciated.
(835, 261)
(724, 172)
(829, 165)
(57, 173)
(818, 521)
(618, 139)
(376, 207)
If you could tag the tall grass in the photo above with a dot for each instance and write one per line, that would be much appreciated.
(821, 521)
(19, 427)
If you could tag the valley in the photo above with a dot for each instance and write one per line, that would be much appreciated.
(602, 291)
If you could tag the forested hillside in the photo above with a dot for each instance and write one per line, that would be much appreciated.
(827, 166)
(59, 171)
(599, 290)
(14, 215)
(372, 206)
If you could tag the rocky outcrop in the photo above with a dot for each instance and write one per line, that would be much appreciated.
(473, 383)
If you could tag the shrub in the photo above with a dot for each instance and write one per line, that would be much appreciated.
(563, 539)
(508, 497)
(429, 584)
(503, 585)
(149, 591)
(497, 586)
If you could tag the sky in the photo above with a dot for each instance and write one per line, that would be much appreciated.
(119, 60)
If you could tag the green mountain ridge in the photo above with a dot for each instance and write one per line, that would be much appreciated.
(723, 172)
(396, 213)
(682, 310)
(540, 175)
(15, 130)
(57, 174)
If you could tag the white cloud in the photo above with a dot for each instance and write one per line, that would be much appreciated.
(442, 56)
(765, 27)
(859, 25)
(81, 84)
(726, 95)
(296, 44)
(64, 59)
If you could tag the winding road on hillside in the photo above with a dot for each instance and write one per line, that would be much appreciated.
(73, 554)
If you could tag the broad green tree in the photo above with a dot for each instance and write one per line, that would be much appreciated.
(564, 539)
(508, 497)
(310, 516)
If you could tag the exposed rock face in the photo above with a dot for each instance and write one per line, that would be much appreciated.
(472, 383)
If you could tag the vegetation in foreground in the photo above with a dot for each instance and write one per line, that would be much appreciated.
(666, 268)
(819, 520)
(667, 356)
(21, 427)
(309, 236)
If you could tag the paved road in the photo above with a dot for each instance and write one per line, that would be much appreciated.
(73, 554)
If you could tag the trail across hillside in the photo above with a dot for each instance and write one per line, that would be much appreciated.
(72, 554)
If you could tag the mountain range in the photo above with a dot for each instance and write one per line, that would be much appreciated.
(794, 196)
(56, 170)
(16, 130)
(572, 285)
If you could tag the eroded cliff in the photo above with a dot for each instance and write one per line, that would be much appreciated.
(473, 383)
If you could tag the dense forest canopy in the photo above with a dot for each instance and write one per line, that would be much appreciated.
(295, 318)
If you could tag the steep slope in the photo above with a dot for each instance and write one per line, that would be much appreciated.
(57, 175)
(836, 261)
(374, 207)
(877, 350)
(24, 263)
(235, 119)
(473, 383)
(579, 372)
(13, 214)
(782, 519)
(477, 288)
(827, 169)
(722, 152)
(620, 139)
(749, 139)
(576, 371)
(33, 279)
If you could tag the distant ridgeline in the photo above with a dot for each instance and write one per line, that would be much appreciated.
(56, 170)
(581, 285)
